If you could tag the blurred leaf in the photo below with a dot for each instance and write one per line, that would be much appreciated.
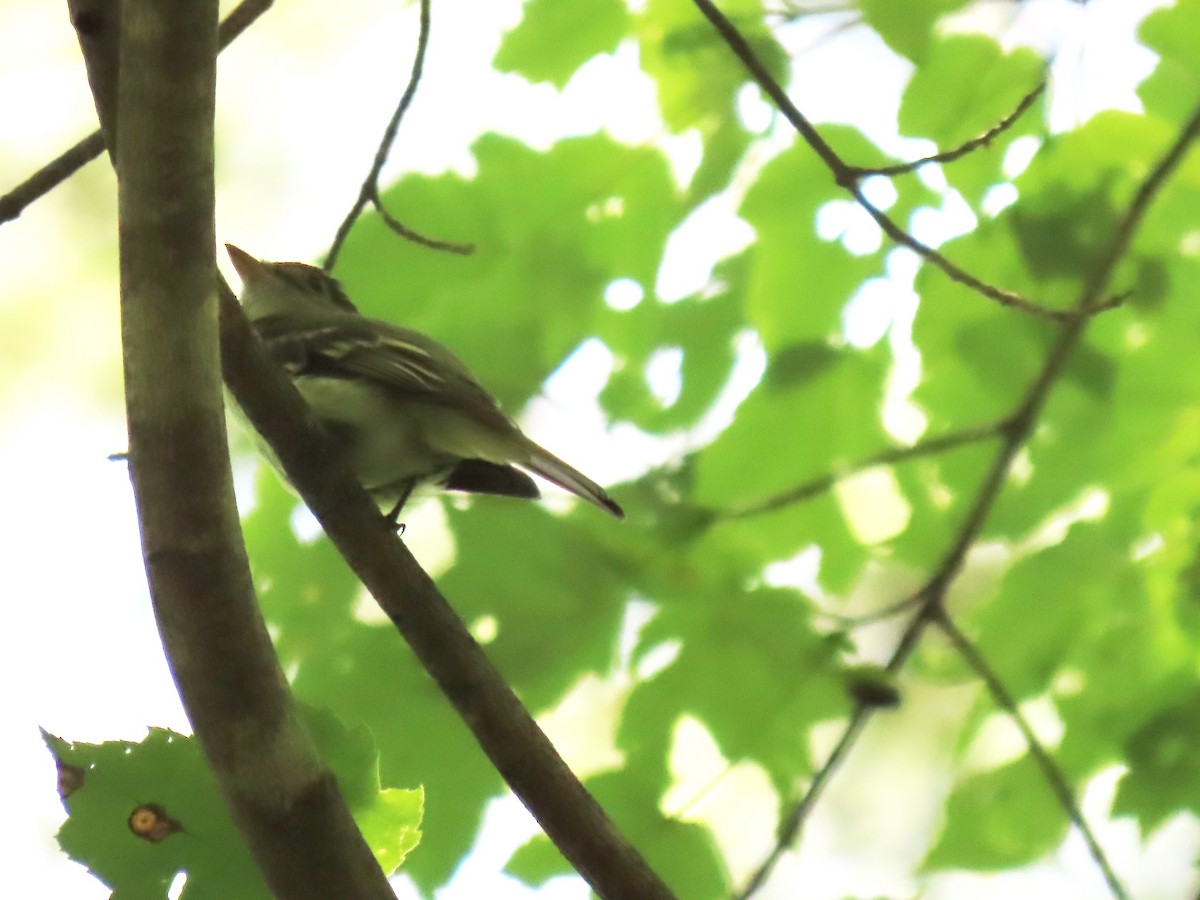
(964, 88)
(551, 231)
(697, 74)
(1174, 34)
(750, 667)
(556, 37)
(907, 28)
(999, 819)
(701, 330)
(827, 418)
(1164, 774)
(537, 861)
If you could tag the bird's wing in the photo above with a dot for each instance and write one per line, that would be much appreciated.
(402, 361)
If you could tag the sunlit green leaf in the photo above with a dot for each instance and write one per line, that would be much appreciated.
(998, 819)
(556, 37)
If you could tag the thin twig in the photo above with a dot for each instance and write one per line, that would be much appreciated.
(50, 176)
(1050, 770)
(789, 827)
(846, 177)
(813, 487)
(793, 821)
(1021, 425)
(369, 192)
(877, 615)
(54, 173)
(958, 152)
(408, 234)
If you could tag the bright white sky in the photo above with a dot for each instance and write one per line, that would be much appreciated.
(303, 99)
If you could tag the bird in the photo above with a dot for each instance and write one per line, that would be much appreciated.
(402, 407)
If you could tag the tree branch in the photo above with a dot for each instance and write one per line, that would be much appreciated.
(54, 173)
(160, 80)
(933, 593)
(963, 149)
(847, 177)
(514, 743)
(1050, 771)
(369, 192)
(815, 486)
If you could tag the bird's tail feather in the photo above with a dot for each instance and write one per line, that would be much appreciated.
(544, 463)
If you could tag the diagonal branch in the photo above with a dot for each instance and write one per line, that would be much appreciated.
(1045, 762)
(55, 172)
(847, 177)
(514, 743)
(815, 486)
(369, 192)
(933, 593)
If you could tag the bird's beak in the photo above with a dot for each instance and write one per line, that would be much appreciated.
(249, 267)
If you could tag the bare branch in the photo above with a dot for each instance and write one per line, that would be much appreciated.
(514, 743)
(409, 235)
(926, 447)
(932, 595)
(50, 176)
(54, 173)
(1050, 771)
(789, 827)
(847, 178)
(958, 152)
(369, 192)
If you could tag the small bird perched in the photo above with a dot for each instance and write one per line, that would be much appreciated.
(406, 409)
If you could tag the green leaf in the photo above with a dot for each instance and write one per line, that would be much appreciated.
(1173, 33)
(701, 330)
(697, 74)
(1099, 599)
(142, 812)
(682, 853)
(907, 28)
(390, 819)
(999, 819)
(165, 772)
(1164, 774)
(537, 861)
(797, 284)
(551, 231)
(562, 578)
(750, 667)
(556, 37)
(965, 87)
(819, 412)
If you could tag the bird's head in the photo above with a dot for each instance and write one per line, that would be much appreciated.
(280, 288)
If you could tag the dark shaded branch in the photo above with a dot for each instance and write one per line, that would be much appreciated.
(933, 593)
(925, 447)
(369, 192)
(162, 65)
(50, 176)
(847, 178)
(1049, 768)
(54, 173)
(962, 150)
(513, 742)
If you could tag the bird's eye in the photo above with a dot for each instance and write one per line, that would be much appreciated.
(316, 281)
